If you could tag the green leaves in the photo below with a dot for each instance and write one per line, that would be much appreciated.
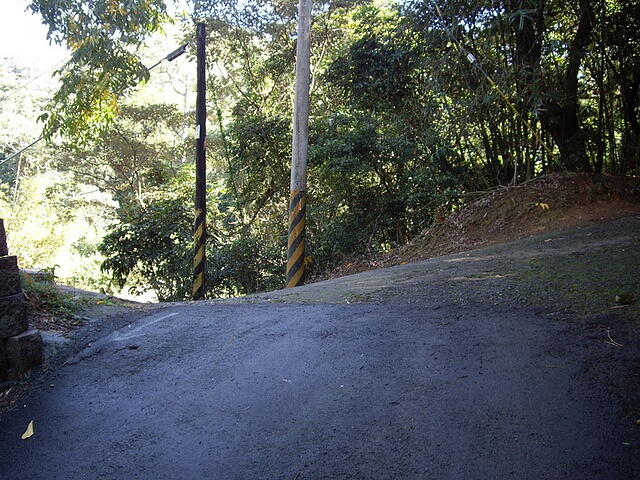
(153, 250)
(102, 37)
(244, 265)
(136, 157)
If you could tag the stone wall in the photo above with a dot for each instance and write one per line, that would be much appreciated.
(20, 347)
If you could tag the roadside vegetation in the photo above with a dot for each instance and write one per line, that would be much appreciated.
(417, 110)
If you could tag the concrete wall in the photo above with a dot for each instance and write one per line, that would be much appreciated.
(20, 347)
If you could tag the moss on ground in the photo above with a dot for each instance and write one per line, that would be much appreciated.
(585, 283)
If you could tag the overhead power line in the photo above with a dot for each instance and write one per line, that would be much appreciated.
(15, 154)
(170, 57)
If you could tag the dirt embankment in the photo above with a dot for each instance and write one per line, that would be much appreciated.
(548, 203)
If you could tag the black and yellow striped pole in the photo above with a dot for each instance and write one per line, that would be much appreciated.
(200, 235)
(296, 242)
(298, 199)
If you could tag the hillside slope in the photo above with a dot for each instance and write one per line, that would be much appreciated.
(546, 203)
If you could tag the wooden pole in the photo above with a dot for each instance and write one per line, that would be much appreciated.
(298, 199)
(200, 236)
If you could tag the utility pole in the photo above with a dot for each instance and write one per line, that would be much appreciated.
(200, 236)
(298, 198)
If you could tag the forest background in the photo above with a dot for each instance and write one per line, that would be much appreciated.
(415, 107)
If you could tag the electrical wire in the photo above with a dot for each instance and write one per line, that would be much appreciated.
(15, 154)
(170, 57)
(39, 74)
(49, 70)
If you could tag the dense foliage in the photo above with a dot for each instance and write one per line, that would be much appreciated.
(102, 36)
(414, 105)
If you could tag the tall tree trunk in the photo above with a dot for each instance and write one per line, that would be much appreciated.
(630, 91)
(561, 117)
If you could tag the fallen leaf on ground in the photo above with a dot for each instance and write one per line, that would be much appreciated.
(29, 432)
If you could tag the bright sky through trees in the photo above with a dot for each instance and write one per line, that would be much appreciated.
(24, 38)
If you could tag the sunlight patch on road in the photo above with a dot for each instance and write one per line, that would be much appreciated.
(468, 258)
(479, 277)
(138, 331)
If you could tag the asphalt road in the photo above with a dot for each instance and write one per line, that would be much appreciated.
(427, 389)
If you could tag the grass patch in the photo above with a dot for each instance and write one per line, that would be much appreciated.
(46, 299)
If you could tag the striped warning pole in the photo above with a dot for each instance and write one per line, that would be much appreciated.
(199, 256)
(298, 199)
(296, 242)
(200, 236)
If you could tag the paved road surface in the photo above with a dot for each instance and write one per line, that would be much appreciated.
(394, 390)
(327, 391)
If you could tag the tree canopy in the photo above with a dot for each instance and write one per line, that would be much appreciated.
(414, 106)
(102, 36)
